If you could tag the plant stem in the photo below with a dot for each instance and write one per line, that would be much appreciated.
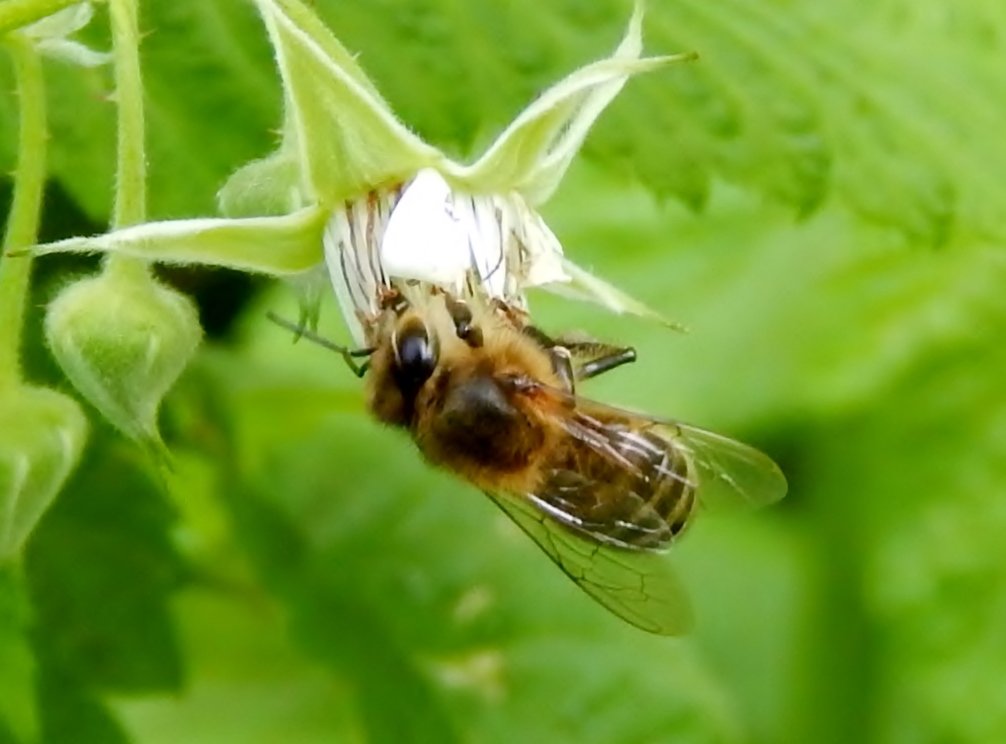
(15, 14)
(22, 223)
(131, 169)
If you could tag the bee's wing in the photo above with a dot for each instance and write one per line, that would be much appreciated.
(602, 519)
(728, 473)
(641, 587)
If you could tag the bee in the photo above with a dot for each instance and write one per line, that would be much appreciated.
(603, 491)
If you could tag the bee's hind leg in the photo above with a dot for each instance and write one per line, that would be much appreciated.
(612, 357)
(585, 358)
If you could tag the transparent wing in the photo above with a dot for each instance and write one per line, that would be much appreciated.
(640, 587)
(728, 473)
(620, 489)
(612, 508)
(725, 473)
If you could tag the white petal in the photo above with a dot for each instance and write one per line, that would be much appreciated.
(537, 258)
(352, 241)
(428, 236)
(452, 239)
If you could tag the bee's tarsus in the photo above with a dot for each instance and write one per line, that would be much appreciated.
(603, 364)
(587, 358)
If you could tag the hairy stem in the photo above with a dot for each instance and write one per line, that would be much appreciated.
(22, 223)
(131, 169)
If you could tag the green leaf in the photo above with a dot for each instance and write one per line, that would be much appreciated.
(930, 519)
(800, 105)
(100, 571)
(72, 713)
(814, 333)
(248, 684)
(872, 366)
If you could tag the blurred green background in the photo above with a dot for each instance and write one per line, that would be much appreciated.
(819, 199)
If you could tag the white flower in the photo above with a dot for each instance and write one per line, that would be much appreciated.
(442, 236)
(352, 186)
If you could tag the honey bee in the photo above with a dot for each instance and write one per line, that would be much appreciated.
(603, 491)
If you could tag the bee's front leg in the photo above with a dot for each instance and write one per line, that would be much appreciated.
(464, 326)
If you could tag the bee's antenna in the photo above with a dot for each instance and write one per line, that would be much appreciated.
(348, 355)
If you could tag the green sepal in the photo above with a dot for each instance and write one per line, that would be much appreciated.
(279, 246)
(347, 138)
(532, 155)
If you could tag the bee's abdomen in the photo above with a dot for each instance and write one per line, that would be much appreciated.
(656, 492)
(634, 490)
(668, 476)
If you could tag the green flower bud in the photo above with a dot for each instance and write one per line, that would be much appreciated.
(41, 438)
(270, 186)
(123, 338)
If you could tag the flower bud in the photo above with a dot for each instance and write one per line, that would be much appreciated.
(42, 433)
(270, 186)
(123, 338)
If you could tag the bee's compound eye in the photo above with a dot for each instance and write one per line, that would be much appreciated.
(415, 357)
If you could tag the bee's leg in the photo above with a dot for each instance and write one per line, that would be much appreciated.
(391, 298)
(562, 365)
(515, 316)
(540, 337)
(348, 355)
(358, 369)
(601, 358)
(461, 314)
(588, 358)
